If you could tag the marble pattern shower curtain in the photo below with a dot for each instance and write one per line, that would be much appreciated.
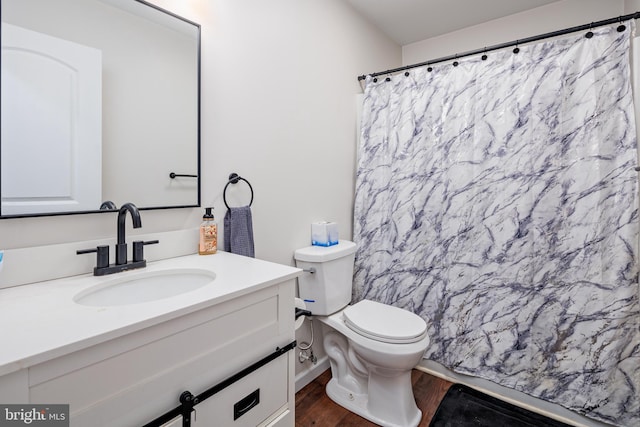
(498, 200)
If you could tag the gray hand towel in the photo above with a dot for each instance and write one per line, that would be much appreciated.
(238, 231)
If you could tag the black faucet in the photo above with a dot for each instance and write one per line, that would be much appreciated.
(138, 261)
(121, 245)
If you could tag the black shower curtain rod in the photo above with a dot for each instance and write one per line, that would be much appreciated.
(590, 26)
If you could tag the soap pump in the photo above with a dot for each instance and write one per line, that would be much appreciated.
(208, 234)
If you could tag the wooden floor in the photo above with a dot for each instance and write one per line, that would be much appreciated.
(314, 408)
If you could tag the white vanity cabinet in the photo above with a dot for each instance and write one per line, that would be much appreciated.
(134, 378)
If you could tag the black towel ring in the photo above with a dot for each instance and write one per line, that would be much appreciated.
(233, 179)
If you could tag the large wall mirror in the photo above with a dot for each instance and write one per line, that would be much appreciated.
(100, 106)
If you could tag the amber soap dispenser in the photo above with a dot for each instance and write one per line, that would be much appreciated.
(208, 234)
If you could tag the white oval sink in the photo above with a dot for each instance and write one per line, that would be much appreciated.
(144, 287)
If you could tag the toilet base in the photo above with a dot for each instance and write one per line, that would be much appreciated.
(357, 403)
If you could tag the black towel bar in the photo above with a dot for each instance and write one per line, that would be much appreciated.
(174, 175)
(234, 178)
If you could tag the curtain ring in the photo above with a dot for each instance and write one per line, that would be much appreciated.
(484, 55)
(455, 63)
(516, 49)
(589, 33)
(621, 27)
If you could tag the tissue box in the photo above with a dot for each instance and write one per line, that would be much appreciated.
(324, 233)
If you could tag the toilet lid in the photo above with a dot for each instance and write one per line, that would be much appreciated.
(384, 323)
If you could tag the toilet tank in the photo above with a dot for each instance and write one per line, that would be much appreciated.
(328, 289)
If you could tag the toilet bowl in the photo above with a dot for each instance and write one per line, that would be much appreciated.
(372, 347)
(372, 378)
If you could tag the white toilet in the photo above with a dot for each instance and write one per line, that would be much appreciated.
(372, 347)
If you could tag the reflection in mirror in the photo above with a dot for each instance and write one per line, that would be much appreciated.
(100, 104)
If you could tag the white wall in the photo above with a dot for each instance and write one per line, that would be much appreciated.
(279, 80)
(544, 19)
(631, 6)
(278, 86)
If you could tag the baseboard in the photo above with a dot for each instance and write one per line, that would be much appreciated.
(308, 375)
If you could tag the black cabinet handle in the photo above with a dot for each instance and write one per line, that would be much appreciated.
(245, 404)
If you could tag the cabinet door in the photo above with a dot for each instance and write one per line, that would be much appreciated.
(248, 402)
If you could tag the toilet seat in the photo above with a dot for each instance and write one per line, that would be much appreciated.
(385, 323)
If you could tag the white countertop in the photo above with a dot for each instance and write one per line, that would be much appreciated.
(40, 321)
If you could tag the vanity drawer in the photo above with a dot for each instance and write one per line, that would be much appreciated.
(136, 386)
(250, 401)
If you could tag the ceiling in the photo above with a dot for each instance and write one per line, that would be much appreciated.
(408, 21)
